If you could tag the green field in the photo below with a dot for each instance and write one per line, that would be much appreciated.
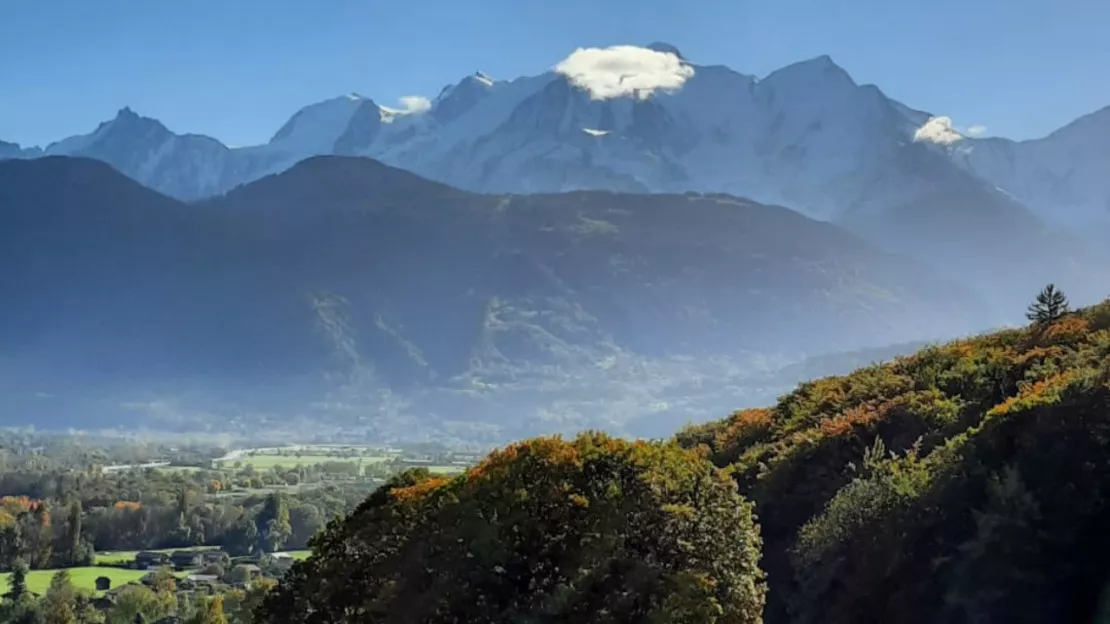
(82, 578)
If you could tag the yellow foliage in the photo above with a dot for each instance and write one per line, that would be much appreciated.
(1043, 392)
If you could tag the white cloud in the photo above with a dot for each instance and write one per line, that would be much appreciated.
(415, 104)
(976, 130)
(624, 70)
(938, 130)
(595, 133)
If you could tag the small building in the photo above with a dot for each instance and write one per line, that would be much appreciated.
(148, 559)
(217, 557)
(253, 570)
(186, 559)
(282, 561)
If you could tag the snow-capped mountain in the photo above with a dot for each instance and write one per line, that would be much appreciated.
(805, 136)
(1065, 176)
(187, 166)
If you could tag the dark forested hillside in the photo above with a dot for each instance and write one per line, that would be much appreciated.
(969, 482)
(349, 294)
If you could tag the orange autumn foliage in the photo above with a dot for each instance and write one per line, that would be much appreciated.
(848, 420)
(415, 493)
(743, 426)
(548, 451)
(127, 505)
(1066, 329)
(20, 503)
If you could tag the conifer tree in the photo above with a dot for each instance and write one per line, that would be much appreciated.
(1050, 305)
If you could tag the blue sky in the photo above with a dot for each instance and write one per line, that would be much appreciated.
(237, 69)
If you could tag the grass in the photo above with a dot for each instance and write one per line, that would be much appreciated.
(82, 578)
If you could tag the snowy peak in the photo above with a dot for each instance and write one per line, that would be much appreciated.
(816, 73)
(455, 100)
(315, 128)
(123, 132)
(629, 118)
(1061, 176)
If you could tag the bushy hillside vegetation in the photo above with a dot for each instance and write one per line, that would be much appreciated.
(968, 482)
(591, 530)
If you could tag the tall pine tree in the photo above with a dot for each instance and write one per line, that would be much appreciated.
(1050, 305)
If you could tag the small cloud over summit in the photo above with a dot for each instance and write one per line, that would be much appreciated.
(415, 104)
(619, 71)
(976, 130)
(938, 130)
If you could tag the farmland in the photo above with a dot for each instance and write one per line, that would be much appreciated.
(362, 456)
(82, 578)
(289, 457)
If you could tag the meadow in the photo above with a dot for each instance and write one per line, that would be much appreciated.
(82, 578)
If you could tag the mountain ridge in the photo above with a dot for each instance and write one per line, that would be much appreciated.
(788, 158)
(291, 300)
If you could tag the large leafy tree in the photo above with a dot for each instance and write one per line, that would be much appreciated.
(593, 530)
(273, 524)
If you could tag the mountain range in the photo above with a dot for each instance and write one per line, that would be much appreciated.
(806, 136)
(346, 293)
(581, 254)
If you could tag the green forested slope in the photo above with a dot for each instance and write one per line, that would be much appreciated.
(592, 530)
(969, 482)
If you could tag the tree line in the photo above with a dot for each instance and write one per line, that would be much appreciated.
(56, 517)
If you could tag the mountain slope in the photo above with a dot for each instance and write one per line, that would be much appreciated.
(356, 294)
(806, 136)
(1062, 176)
(922, 207)
(965, 482)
